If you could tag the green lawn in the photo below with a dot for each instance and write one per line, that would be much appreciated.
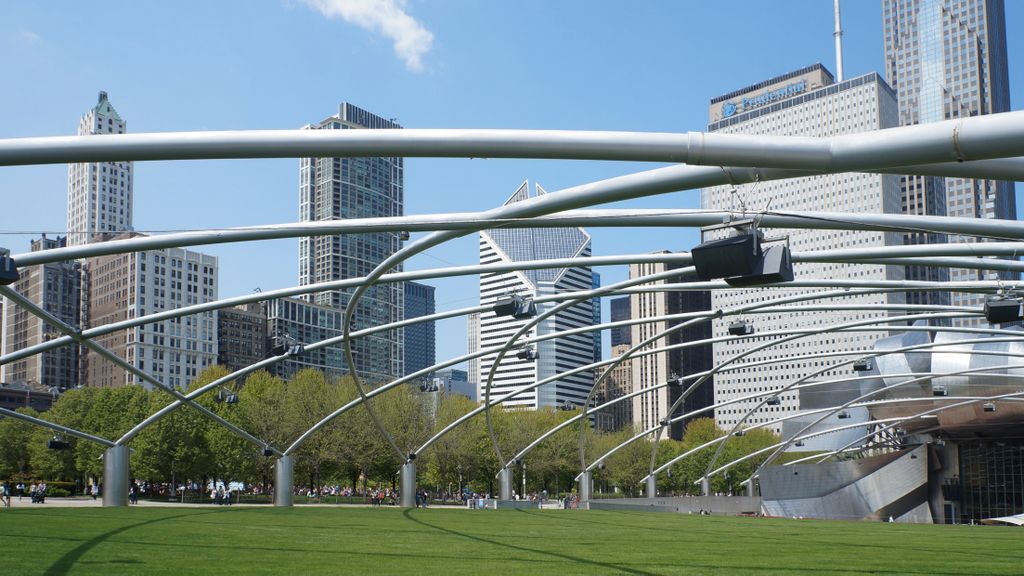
(435, 541)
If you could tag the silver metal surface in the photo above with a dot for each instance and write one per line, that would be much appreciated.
(115, 476)
(408, 485)
(505, 482)
(284, 480)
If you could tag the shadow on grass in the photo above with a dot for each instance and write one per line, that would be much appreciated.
(604, 565)
(65, 563)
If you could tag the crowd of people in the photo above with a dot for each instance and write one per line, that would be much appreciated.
(36, 491)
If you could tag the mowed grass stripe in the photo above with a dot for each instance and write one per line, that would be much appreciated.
(59, 541)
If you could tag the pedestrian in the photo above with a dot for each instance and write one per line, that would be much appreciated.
(5, 493)
(21, 491)
(133, 494)
(95, 490)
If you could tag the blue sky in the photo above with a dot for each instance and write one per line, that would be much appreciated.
(273, 64)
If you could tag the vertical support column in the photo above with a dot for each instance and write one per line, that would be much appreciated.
(652, 486)
(585, 487)
(115, 476)
(505, 484)
(705, 486)
(408, 487)
(284, 475)
(750, 488)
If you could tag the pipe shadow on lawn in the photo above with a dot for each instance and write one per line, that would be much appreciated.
(65, 563)
(605, 565)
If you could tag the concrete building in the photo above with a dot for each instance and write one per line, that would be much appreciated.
(241, 336)
(553, 356)
(99, 193)
(339, 188)
(620, 382)
(947, 59)
(420, 351)
(136, 284)
(806, 102)
(38, 398)
(293, 321)
(651, 370)
(617, 384)
(56, 288)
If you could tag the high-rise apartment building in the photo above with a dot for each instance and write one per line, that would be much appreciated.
(241, 336)
(54, 287)
(553, 356)
(420, 352)
(947, 59)
(342, 188)
(137, 284)
(648, 371)
(99, 193)
(805, 102)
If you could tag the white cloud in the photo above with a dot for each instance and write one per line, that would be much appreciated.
(388, 17)
(29, 37)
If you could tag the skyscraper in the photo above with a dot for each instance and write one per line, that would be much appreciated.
(648, 371)
(419, 338)
(553, 356)
(947, 59)
(99, 193)
(805, 102)
(596, 310)
(472, 346)
(341, 188)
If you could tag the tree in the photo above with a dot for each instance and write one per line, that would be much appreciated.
(15, 457)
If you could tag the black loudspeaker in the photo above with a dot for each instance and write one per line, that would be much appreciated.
(506, 306)
(56, 444)
(735, 256)
(268, 452)
(999, 311)
(741, 328)
(774, 266)
(862, 365)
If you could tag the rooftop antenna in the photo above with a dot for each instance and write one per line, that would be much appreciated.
(838, 34)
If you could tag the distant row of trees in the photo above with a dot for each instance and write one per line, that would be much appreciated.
(186, 446)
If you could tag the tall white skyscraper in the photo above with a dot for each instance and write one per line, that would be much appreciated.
(805, 102)
(473, 345)
(553, 356)
(99, 193)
